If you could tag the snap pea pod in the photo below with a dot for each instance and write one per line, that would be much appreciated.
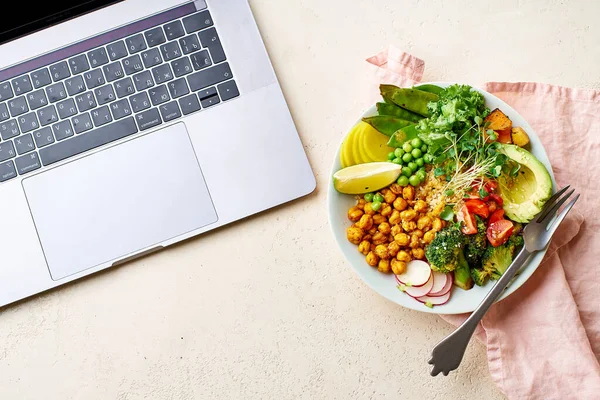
(429, 88)
(386, 124)
(411, 99)
(402, 135)
(395, 111)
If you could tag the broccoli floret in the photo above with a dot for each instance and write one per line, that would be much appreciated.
(446, 250)
(462, 275)
(476, 245)
(497, 259)
(480, 276)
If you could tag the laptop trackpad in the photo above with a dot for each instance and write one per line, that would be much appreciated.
(119, 201)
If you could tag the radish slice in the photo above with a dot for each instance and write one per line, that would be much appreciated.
(434, 301)
(417, 274)
(439, 281)
(443, 290)
(418, 291)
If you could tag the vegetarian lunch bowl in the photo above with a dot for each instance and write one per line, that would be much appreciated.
(430, 192)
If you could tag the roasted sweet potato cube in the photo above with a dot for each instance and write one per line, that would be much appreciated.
(504, 136)
(519, 136)
(498, 121)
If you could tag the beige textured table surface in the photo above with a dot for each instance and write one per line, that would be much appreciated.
(267, 308)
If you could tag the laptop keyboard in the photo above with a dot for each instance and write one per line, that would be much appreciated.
(138, 82)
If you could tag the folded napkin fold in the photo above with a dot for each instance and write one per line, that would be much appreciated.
(543, 341)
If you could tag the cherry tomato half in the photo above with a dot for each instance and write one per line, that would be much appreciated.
(496, 216)
(478, 207)
(467, 221)
(498, 232)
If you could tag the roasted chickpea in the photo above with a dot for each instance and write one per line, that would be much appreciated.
(354, 214)
(396, 189)
(414, 241)
(365, 222)
(400, 204)
(396, 229)
(409, 226)
(382, 252)
(398, 267)
(385, 210)
(438, 209)
(384, 266)
(372, 259)
(436, 225)
(393, 249)
(368, 210)
(354, 234)
(418, 253)
(402, 239)
(420, 206)
(404, 256)
(385, 228)
(424, 223)
(364, 247)
(361, 204)
(408, 192)
(378, 219)
(388, 196)
(419, 233)
(379, 238)
(372, 231)
(395, 217)
(408, 215)
(367, 237)
(428, 237)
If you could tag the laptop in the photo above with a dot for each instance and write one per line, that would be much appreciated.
(128, 126)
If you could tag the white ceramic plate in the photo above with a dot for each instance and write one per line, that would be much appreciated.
(461, 301)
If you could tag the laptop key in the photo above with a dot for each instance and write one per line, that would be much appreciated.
(228, 90)
(28, 122)
(7, 171)
(105, 94)
(139, 101)
(189, 104)
(101, 116)
(57, 91)
(120, 109)
(143, 80)
(148, 119)
(66, 108)
(18, 106)
(124, 87)
(159, 95)
(21, 85)
(6, 91)
(209, 38)
(24, 144)
(37, 99)
(210, 101)
(62, 130)
(43, 137)
(4, 114)
(94, 78)
(170, 111)
(97, 57)
(189, 44)
(178, 88)
(75, 85)
(47, 115)
(90, 140)
(206, 93)
(210, 76)
(181, 67)
(79, 64)
(117, 50)
(200, 60)
(28, 163)
(198, 21)
(155, 36)
(132, 64)
(170, 51)
(113, 71)
(85, 101)
(174, 29)
(151, 58)
(41, 78)
(162, 73)
(9, 129)
(135, 43)
(7, 150)
(60, 71)
(82, 123)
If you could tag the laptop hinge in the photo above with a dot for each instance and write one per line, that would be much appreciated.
(139, 255)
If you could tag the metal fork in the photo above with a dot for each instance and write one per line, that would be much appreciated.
(447, 354)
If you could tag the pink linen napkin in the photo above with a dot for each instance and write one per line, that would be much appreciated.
(543, 341)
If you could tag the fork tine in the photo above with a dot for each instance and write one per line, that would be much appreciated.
(550, 209)
(556, 223)
(551, 201)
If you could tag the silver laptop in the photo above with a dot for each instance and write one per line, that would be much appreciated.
(128, 126)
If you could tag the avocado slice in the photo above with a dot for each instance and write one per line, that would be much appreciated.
(524, 195)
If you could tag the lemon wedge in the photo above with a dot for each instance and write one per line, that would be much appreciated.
(365, 178)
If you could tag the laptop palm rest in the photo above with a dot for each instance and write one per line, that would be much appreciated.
(114, 203)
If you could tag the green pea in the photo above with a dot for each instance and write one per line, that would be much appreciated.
(406, 171)
(391, 155)
(421, 174)
(420, 162)
(378, 198)
(397, 161)
(416, 142)
(369, 197)
(407, 147)
(398, 152)
(407, 157)
(413, 166)
(424, 148)
(416, 153)
(376, 205)
(402, 180)
(413, 180)
(428, 158)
